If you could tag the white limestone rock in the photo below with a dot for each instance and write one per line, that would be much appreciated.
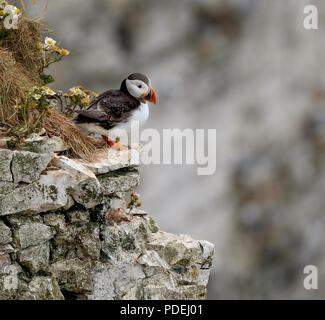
(104, 288)
(5, 261)
(28, 166)
(35, 258)
(111, 160)
(32, 234)
(47, 194)
(42, 288)
(78, 216)
(3, 142)
(73, 275)
(7, 248)
(125, 241)
(38, 144)
(17, 220)
(182, 257)
(9, 282)
(208, 252)
(5, 234)
(115, 182)
(57, 144)
(55, 220)
(6, 187)
(85, 259)
(5, 165)
(144, 263)
(85, 189)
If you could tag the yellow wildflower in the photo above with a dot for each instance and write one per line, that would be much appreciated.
(2, 12)
(55, 48)
(76, 91)
(50, 112)
(73, 91)
(95, 94)
(64, 52)
(50, 92)
(18, 11)
(86, 101)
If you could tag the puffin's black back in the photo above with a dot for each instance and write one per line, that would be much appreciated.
(123, 86)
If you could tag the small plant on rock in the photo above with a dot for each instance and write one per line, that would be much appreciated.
(134, 202)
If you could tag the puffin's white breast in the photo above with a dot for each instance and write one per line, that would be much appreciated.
(141, 115)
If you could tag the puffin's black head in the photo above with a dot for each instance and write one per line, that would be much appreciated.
(139, 86)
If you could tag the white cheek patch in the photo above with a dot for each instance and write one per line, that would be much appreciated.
(134, 90)
(129, 86)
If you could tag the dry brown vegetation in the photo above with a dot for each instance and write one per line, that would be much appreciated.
(21, 66)
(81, 145)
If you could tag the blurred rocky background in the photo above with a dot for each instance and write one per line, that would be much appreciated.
(249, 69)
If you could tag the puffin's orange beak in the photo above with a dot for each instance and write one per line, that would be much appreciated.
(151, 97)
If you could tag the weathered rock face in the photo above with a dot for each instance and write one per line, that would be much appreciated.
(65, 234)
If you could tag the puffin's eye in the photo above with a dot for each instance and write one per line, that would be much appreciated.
(139, 86)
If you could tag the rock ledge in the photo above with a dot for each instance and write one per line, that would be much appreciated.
(58, 241)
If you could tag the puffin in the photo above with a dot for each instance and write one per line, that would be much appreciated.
(114, 110)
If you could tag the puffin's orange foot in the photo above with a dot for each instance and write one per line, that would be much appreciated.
(119, 147)
(115, 145)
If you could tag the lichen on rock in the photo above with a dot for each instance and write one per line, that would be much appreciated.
(27, 166)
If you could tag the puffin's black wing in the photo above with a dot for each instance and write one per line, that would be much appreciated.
(109, 109)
